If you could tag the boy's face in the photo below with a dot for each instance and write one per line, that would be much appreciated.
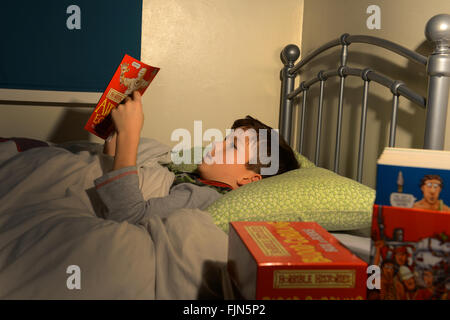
(226, 162)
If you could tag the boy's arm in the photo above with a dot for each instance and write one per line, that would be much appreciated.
(119, 191)
(126, 150)
(119, 188)
(128, 119)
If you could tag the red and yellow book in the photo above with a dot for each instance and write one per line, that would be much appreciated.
(292, 260)
(131, 75)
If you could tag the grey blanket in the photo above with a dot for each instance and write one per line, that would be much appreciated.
(53, 245)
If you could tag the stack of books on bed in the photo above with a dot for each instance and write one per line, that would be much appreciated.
(411, 225)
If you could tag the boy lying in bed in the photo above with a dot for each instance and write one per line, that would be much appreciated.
(119, 188)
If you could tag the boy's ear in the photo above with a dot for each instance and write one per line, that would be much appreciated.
(249, 178)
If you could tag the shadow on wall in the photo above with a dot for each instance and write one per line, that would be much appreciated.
(71, 126)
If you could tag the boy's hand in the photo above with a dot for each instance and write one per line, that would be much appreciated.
(128, 117)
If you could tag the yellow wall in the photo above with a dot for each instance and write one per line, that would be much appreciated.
(219, 61)
(403, 22)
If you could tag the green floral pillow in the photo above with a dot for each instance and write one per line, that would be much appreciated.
(307, 194)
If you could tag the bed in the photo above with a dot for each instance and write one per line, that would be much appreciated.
(55, 244)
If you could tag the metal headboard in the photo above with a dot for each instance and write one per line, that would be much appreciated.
(437, 65)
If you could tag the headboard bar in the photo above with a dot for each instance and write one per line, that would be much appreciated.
(337, 150)
(389, 45)
(362, 132)
(393, 120)
(372, 75)
(302, 122)
(346, 40)
(340, 71)
(319, 121)
(313, 54)
(289, 55)
(438, 70)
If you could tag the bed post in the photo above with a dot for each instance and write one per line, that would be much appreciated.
(437, 30)
(289, 55)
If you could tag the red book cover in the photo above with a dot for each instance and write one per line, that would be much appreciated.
(131, 75)
(412, 249)
(292, 260)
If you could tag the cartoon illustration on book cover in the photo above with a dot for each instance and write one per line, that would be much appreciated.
(417, 188)
(414, 261)
(131, 75)
(431, 186)
(132, 84)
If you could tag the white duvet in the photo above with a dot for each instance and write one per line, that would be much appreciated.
(49, 223)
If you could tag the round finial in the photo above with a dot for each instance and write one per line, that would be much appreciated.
(290, 53)
(438, 29)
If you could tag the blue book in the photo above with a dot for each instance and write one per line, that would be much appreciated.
(414, 178)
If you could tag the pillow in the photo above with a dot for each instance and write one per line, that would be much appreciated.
(303, 161)
(307, 194)
(310, 193)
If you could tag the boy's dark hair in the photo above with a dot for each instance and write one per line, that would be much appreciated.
(287, 159)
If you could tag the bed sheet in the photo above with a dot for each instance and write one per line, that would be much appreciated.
(48, 225)
(49, 221)
(358, 244)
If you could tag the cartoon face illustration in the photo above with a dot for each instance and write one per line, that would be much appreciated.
(400, 256)
(388, 270)
(124, 67)
(410, 284)
(431, 190)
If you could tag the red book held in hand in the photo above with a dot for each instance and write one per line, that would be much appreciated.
(131, 75)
